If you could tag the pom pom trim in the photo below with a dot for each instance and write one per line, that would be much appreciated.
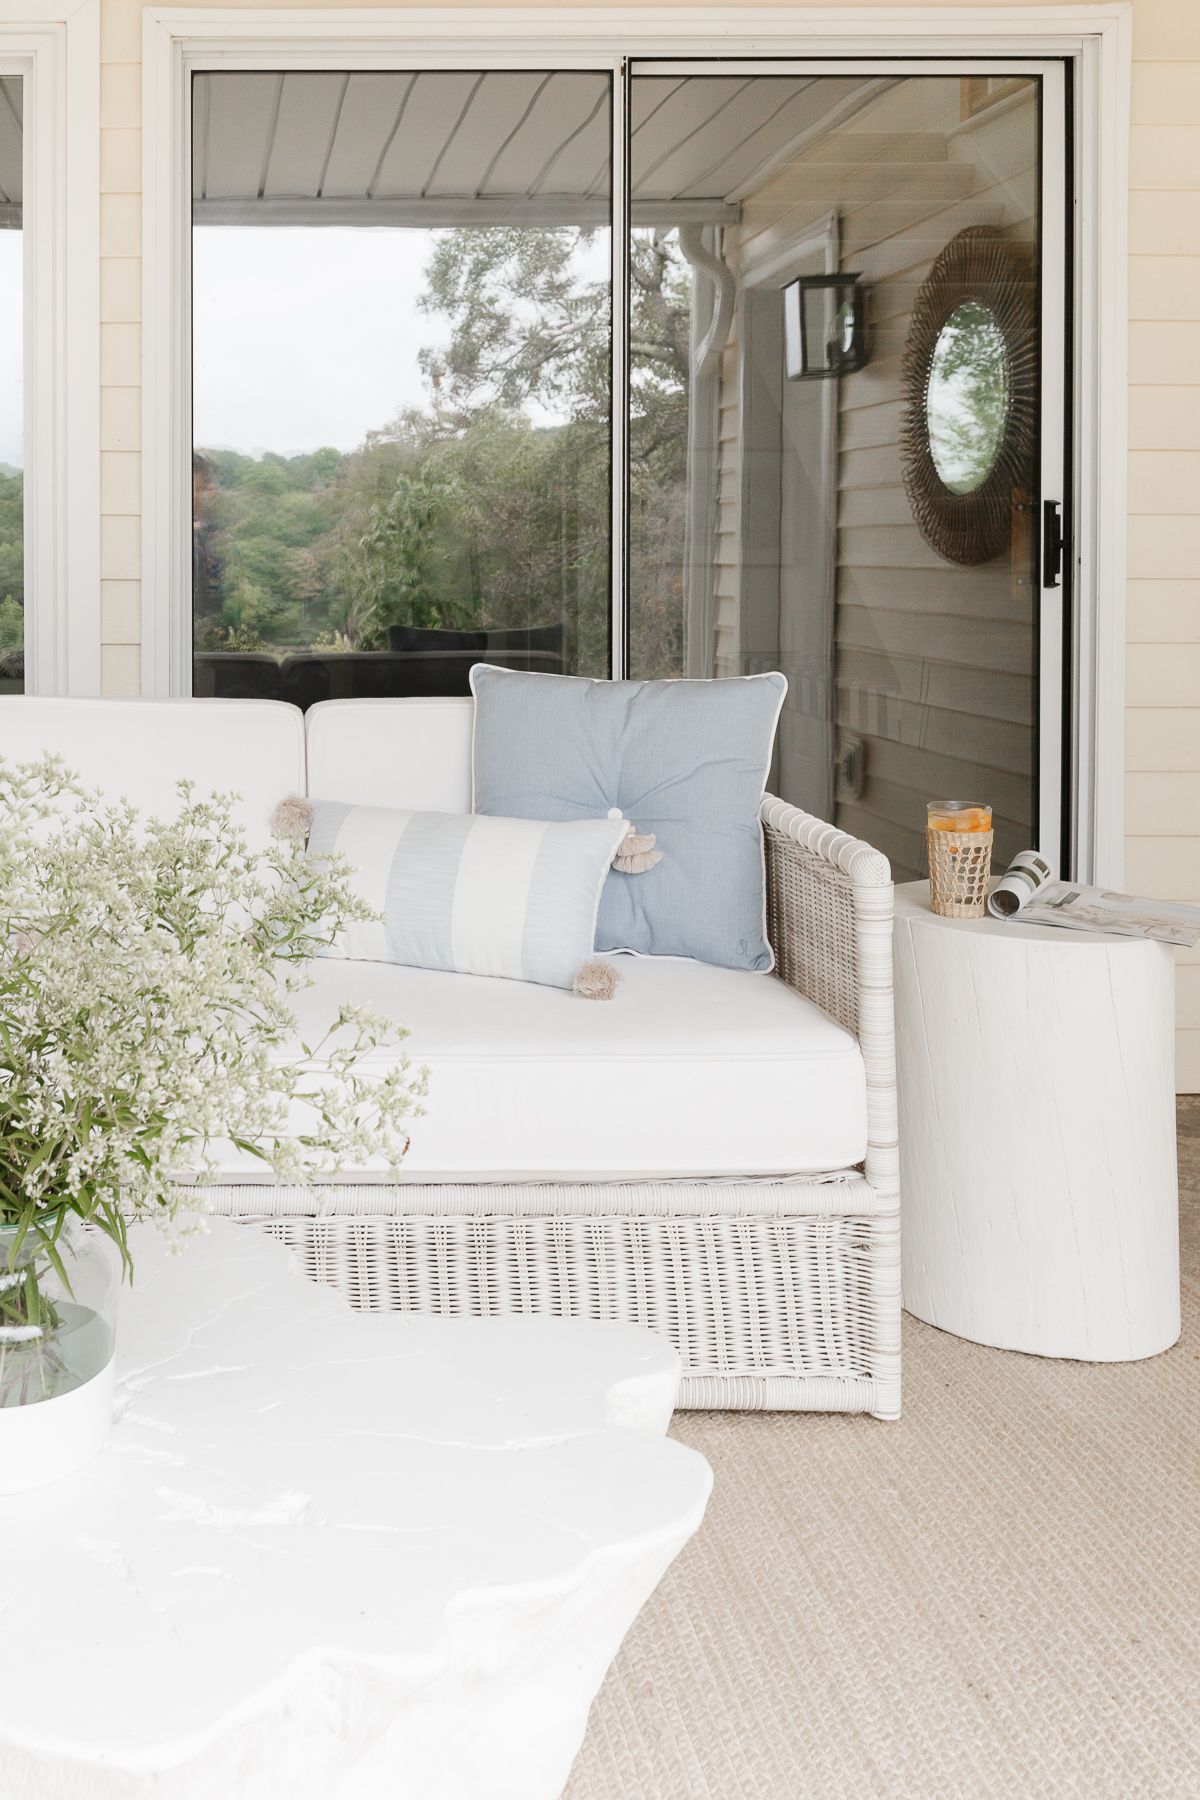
(292, 817)
(596, 980)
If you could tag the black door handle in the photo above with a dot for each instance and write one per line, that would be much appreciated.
(1052, 543)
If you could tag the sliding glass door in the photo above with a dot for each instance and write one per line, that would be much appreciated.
(862, 510)
(12, 387)
(680, 369)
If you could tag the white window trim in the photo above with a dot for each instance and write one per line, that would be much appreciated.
(55, 47)
(1099, 39)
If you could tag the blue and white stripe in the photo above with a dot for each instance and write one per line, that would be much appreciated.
(479, 895)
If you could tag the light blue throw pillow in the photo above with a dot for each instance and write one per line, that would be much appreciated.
(512, 897)
(687, 760)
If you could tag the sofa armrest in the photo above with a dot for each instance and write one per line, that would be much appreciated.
(829, 919)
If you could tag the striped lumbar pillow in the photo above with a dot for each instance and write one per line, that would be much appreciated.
(482, 896)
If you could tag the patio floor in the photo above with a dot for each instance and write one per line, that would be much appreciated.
(1000, 1596)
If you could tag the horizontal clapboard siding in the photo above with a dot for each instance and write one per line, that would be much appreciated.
(725, 603)
(957, 641)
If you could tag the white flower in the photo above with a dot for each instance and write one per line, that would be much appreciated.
(145, 967)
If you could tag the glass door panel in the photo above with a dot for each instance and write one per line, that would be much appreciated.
(402, 333)
(844, 338)
(12, 391)
(840, 380)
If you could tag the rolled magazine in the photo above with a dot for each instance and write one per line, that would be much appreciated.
(1025, 875)
(1029, 890)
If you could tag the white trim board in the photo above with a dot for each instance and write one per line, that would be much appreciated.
(55, 47)
(1098, 39)
(750, 31)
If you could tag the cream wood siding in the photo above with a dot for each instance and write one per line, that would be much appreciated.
(1164, 568)
(725, 590)
(1163, 672)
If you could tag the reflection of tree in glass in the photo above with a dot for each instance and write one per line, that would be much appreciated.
(967, 398)
(529, 332)
(492, 506)
(397, 549)
(660, 364)
(12, 578)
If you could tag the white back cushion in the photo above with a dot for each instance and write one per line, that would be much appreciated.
(139, 749)
(411, 754)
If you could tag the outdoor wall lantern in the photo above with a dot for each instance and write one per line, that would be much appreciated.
(824, 326)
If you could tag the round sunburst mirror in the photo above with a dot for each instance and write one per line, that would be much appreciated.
(970, 385)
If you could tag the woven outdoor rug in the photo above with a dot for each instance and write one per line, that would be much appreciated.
(998, 1596)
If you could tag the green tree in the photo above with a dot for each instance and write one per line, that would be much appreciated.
(256, 520)
(492, 507)
(527, 328)
(968, 397)
(398, 551)
(523, 324)
(12, 624)
(12, 535)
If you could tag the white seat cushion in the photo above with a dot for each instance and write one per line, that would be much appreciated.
(688, 1070)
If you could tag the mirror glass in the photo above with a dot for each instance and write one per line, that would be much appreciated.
(967, 400)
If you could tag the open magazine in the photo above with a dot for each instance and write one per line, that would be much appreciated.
(1028, 888)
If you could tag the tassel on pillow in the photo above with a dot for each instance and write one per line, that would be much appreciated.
(596, 980)
(292, 817)
(636, 853)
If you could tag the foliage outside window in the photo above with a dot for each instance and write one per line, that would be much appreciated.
(469, 513)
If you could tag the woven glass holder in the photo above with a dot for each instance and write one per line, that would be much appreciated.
(960, 866)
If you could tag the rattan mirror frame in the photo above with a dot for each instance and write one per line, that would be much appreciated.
(980, 264)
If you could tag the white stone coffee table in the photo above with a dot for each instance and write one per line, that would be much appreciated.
(332, 1556)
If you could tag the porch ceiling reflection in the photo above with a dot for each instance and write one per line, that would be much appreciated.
(10, 152)
(432, 148)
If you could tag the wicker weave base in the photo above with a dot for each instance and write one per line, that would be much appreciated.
(776, 1295)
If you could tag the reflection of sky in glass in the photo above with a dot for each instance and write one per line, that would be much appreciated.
(305, 338)
(12, 385)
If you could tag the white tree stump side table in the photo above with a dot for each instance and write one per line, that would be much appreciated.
(1039, 1192)
(332, 1556)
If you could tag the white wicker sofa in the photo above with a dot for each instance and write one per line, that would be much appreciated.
(713, 1154)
